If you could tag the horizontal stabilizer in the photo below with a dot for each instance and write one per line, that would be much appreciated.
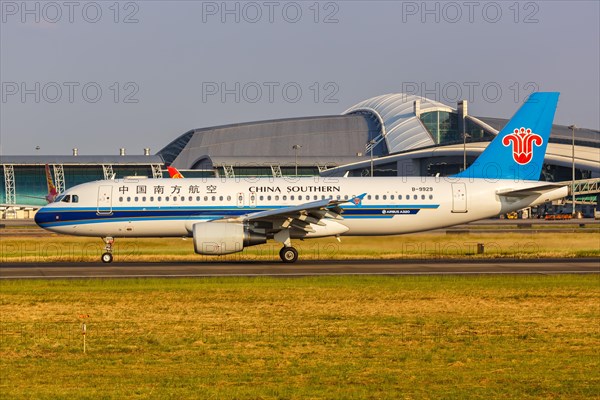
(532, 191)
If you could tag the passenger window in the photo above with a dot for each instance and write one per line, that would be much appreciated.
(151, 198)
(385, 197)
(369, 197)
(262, 198)
(392, 197)
(316, 197)
(136, 199)
(415, 197)
(228, 198)
(213, 198)
(430, 197)
(205, 198)
(276, 198)
(220, 198)
(167, 198)
(144, 199)
(198, 198)
(376, 197)
(129, 199)
(159, 198)
(284, 198)
(422, 197)
(121, 199)
(399, 197)
(346, 197)
(269, 198)
(292, 197)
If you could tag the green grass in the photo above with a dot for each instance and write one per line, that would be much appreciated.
(329, 337)
(436, 245)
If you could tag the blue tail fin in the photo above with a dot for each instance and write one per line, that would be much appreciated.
(519, 149)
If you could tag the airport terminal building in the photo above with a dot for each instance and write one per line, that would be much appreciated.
(389, 135)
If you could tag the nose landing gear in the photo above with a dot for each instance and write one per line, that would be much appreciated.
(108, 257)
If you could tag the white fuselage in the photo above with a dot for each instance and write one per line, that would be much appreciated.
(170, 207)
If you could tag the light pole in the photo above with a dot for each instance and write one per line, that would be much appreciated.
(572, 128)
(372, 145)
(296, 147)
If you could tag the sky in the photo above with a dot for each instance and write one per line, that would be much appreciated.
(104, 75)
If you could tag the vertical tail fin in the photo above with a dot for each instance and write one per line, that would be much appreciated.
(519, 149)
(51, 188)
(174, 173)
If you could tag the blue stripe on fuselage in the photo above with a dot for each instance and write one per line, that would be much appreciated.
(69, 215)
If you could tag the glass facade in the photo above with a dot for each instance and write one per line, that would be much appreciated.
(388, 169)
(443, 126)
(31, 187)
(476, 133)
(250, 171)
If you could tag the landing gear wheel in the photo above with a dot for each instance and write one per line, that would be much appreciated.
(107, 258)
(288, 255)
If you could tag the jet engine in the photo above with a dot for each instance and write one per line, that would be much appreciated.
(216, 238)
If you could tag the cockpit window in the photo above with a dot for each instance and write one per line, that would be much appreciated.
(66, 199)
(59, 198)
(74, 199)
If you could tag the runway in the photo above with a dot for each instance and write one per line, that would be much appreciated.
(305, 268)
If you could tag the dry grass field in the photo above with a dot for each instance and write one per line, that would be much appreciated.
(437, 245)
(512, 337)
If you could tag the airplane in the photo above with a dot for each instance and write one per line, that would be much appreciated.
(50, 196)
(174, 173)
(224, 216)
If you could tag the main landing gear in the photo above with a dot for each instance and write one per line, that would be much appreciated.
(288, 254)
(108, 257)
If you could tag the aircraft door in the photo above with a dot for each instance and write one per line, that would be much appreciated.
(459, 198)
(240, 200)
(105, 200)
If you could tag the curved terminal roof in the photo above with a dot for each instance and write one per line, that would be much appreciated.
(402, 128)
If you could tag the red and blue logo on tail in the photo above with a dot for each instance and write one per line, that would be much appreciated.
(518, 151)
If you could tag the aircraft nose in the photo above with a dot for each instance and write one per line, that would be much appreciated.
(43, 216)
(38, 217)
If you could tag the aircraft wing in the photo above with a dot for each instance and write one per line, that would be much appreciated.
(536, 190)
(300, 216)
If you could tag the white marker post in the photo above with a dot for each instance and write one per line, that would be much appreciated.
(83, 330)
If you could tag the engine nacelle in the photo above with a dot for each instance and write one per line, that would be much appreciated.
(214, 238)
